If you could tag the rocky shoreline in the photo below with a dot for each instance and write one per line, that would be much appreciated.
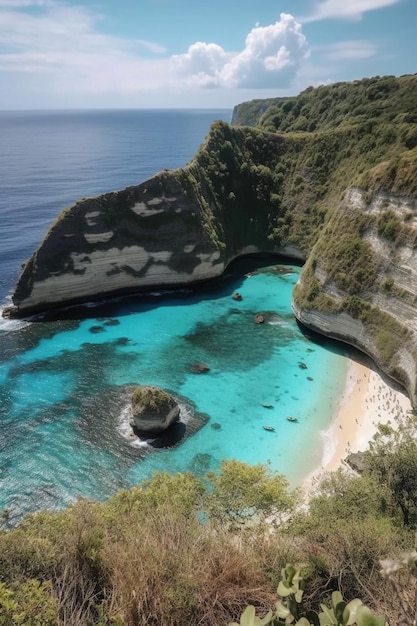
(252, 191)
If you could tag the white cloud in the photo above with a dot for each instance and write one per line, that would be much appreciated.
(56, 49)
(271, 58)
(348, 50)
(151, 46)
(202, 65)
(62, 46)
(350, 9)
(17, 4)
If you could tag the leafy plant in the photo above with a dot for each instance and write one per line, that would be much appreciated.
(289, 608)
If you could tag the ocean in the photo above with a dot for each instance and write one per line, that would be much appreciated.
(65, 385)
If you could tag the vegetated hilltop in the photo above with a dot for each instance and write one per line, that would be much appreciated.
(329, 176)
(383, 99)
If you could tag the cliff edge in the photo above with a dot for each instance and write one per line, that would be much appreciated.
(328, 177)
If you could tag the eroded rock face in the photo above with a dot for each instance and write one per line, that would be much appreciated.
(154, 410)
(137, 238)
(179, 228)
(367, 301)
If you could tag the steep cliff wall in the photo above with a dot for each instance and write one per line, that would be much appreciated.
(329, 177)
(360, 281)
(138, 237)
(179, 228)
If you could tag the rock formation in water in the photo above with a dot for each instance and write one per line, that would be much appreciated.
(153, 409)
(328, 177)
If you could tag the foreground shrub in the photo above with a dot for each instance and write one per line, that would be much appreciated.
(289, 608)
(159, 554)
(31, 604)
(240, 492)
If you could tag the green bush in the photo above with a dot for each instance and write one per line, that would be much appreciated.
(31, 604)
(389, 225)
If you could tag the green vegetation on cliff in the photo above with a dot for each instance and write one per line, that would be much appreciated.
(151, 398)
(381, 99)
(278, 183)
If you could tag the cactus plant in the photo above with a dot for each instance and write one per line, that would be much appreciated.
(249, 618)
(289, 608)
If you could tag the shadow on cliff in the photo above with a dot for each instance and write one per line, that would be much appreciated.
(229, 281)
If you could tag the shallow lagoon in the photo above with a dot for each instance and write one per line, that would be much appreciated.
(64, 389)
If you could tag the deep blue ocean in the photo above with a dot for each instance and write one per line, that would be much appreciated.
(65, 384)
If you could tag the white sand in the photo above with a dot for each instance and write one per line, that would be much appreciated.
(368, 399)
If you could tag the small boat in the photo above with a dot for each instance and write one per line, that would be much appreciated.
(266, 405)
(270, 428)
(292, 419)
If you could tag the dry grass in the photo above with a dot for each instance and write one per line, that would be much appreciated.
(170, 572)
(145, 558)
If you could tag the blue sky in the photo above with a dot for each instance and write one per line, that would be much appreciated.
(194, 53)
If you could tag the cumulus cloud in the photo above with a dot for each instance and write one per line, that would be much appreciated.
(57, 50)
(271, 58)
(202, 65)
(353, 9)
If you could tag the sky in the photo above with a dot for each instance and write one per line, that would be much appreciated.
(88, 54)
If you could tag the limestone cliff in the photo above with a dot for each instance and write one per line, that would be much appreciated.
(328, 177)
(359, 284)
(139, 237)
(179, 228)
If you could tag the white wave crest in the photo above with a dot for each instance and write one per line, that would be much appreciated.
(124, 427)
(8, 324)
(328, 439)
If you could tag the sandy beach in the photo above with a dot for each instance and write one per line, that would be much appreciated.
(368, 399)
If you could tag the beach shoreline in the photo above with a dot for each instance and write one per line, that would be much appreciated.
(368, 399)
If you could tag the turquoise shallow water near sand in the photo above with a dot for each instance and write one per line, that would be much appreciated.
(64, 401)
(64, 384)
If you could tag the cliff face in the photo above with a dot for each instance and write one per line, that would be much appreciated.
(369, 298)
(178, 228)
(135, 238)
(329, 177)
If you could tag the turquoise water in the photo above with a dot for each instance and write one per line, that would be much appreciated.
(65, 384)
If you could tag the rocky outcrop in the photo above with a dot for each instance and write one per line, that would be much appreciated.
(137, 238)
(154, 410)
(368, 301)
(356, 460)
(199, 368)
(176, 229)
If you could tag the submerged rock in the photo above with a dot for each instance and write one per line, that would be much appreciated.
(154, 410)
(199, 368)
